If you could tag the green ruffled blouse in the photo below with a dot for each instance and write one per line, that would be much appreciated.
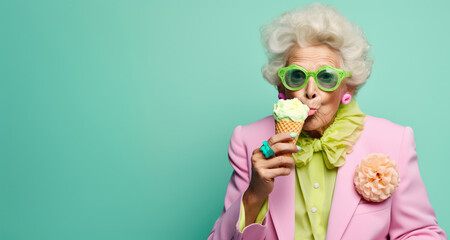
(316, 170)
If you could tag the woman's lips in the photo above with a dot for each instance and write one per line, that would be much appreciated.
(312, 111)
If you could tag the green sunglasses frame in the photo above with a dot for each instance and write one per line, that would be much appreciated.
(341, 75)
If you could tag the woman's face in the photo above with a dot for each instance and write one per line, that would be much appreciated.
(324, 103)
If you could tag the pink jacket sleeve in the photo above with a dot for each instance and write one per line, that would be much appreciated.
(412, 216)
(227, 226)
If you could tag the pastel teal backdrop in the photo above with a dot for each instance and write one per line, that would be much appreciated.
(116, 115)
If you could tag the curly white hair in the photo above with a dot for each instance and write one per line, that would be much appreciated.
(313, 25)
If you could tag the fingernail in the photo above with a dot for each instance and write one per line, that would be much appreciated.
(293, 134)
(299, 148)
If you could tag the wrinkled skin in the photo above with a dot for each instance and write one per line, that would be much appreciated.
(312, 58)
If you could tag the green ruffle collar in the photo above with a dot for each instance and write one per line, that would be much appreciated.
(337, 140)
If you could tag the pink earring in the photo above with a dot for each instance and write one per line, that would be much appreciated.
(346, 99)
(281, 96)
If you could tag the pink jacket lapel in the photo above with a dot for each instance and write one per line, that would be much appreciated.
(345, 198)
(282, 205)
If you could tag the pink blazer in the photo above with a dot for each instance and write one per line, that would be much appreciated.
(406, 214)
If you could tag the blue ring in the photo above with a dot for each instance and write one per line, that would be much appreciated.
(266, 150)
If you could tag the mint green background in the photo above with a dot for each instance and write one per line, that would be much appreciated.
(116, 115)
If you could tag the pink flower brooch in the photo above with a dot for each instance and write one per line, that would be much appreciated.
(376, 177)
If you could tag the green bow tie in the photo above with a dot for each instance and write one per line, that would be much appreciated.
(333, 152)
(337, 140)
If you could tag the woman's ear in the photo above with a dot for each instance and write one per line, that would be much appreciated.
(350, 90)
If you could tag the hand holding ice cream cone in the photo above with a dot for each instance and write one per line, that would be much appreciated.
(290, 116)
(274, 158)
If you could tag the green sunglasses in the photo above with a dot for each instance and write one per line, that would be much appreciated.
(327, 77)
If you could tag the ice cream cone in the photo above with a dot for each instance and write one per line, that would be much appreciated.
(289, 126)
(289, 117)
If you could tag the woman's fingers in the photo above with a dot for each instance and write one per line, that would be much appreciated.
(276, 162)
(282, 147)
(279, 148)
(278, 165)
(260, 165)
(269, 174)
(283, 143)
(281, 137)
(264, 171)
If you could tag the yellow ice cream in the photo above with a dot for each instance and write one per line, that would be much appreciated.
(291, 109)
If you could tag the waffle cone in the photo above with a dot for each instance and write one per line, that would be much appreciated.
(289, 126)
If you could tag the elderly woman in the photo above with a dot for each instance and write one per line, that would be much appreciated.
(349, 175)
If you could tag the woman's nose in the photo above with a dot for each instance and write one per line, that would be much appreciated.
(311, 89)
